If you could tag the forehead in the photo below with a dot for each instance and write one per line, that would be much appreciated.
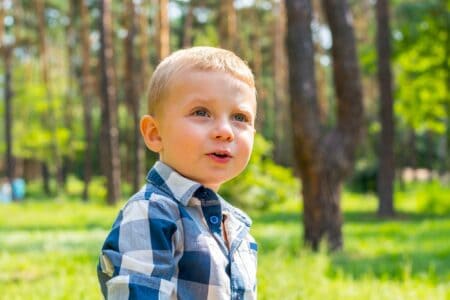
(193, 77)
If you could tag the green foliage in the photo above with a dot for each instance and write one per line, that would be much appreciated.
(263, 182)
(422, 62)
(428, 197)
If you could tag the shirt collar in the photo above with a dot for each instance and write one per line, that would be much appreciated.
(182, 189)
(170, 181)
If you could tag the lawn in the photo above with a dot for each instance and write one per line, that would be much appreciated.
(49, 250)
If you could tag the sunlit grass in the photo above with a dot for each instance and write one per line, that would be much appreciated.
(49, 251)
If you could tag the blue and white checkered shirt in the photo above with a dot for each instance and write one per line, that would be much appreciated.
(168, 243)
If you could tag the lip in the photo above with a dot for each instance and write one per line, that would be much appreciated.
(221, 156)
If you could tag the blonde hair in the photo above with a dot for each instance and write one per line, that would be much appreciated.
(195, 58)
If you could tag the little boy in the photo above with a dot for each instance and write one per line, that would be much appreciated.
(177, 238)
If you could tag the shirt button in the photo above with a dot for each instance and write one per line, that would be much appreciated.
(214, 220)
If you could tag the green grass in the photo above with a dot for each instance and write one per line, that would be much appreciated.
(48, 250)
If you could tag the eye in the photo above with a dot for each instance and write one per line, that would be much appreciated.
(200, 112)
(240, 118)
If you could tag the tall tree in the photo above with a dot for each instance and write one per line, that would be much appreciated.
(110, 132)
(144, 45)
(323, 158)
(50, 118)
(188, 24)
(5, 51)
(282, 134)
(386, 155)
(163, 29)
(132, 96)
(228, 25)
(87, 91)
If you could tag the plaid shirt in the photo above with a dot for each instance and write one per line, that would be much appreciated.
(168, 243)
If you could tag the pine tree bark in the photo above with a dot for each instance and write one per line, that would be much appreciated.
(228, 25)
(163, 29)
(87, 92)
(386, 152)
(188, 23)
(323, 158)
(5, 51)
(110, 134)
(132, 96)
(50, 118)
(283, 133)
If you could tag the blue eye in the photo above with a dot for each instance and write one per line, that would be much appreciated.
(201, 112)
(240, 118)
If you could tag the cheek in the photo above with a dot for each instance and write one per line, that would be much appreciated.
(247, 139)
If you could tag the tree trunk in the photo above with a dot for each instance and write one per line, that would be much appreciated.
(50, 118)
(133, 97)
(283, 134)
(386, 156)
(163, 30)
(143, 49)
(7, 93)
(228, 25)
(87, 94)
(110, 136)
(188, 23)
(8, 113)
(323, 158)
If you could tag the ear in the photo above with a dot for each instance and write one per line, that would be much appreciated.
(150, 133)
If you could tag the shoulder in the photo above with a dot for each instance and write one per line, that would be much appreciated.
(150, 203)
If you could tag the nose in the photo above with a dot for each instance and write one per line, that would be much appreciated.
(223, 131)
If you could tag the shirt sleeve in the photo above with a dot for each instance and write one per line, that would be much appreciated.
(138, 256)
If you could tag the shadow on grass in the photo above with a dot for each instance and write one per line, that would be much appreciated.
(407, 245)
(432, 266)
(372, 217)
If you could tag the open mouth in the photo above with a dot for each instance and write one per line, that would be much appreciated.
(221, 155)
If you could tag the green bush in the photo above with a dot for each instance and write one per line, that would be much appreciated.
(433, 198)
(263, 182)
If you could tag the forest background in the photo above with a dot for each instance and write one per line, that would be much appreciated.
(73, 80)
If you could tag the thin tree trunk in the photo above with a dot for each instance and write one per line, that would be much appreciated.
(110, 136)
(323, 159)
(143, 49)
(133, 96)
(386, 157)
(265, 104)
(8, 113)
(88, 95)
(283, 134)
(188, 22)
(228, 25)
(7, 93)
(70, 91)
(163, 29)
(50, 118)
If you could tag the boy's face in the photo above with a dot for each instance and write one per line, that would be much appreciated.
(206, 128)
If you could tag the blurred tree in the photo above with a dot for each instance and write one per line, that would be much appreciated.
(132, 96)
(87, 91)
(421, 55)
(6, 51)
(163, 31)
(228, 25)
(386, 171)
(188, 24)
(323, 158)
(110, 132)
(282, 131)
(49, 118)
